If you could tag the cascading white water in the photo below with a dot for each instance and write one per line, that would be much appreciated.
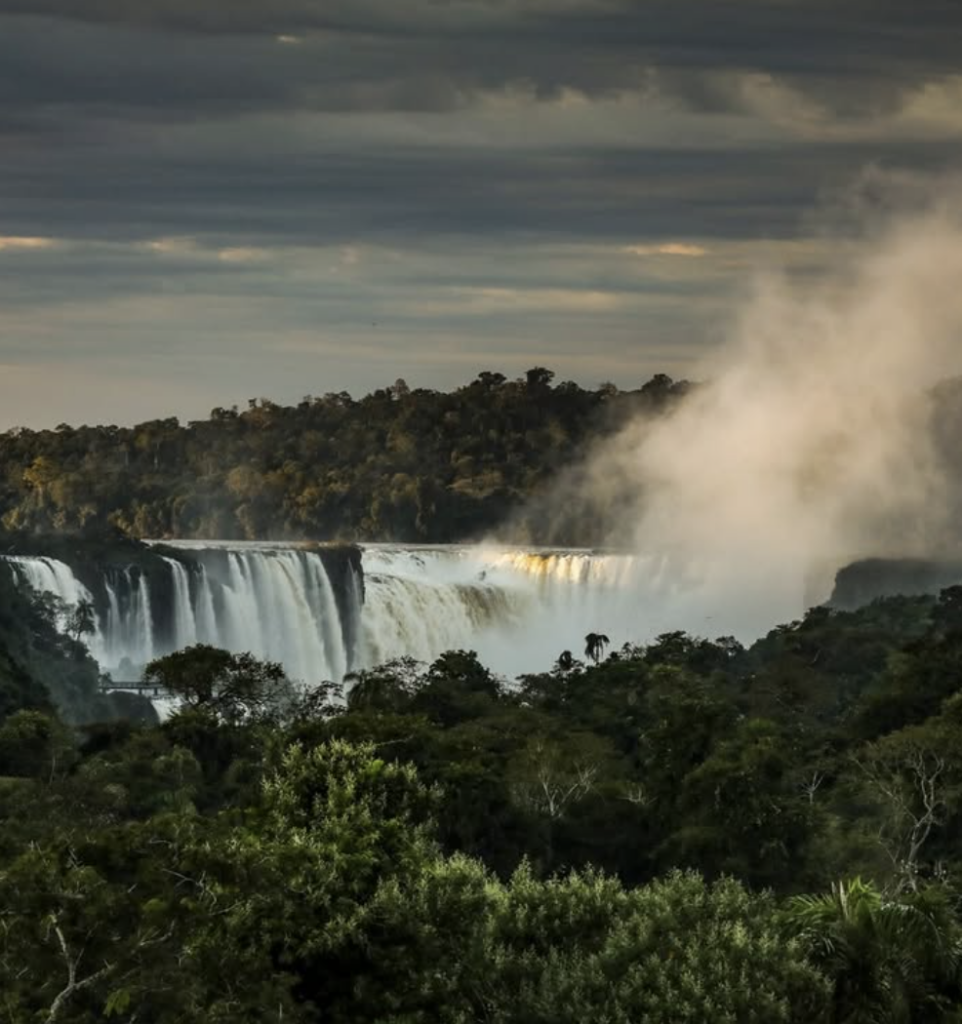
(144, 616)
(125, 640)
(517, 608)
(625, 597)
(185, 621)
(420, 602)
(205, 618)
(279, 604)
(48, 575)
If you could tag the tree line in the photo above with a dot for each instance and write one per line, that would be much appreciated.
(398, 464)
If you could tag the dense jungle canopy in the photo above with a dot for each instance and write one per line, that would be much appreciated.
(398, 464)
(686, 832)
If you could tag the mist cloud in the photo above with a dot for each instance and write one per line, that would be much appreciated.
(810, 442)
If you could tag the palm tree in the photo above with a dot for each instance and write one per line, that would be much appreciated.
(890, 962)
(565, 662)
(595, 644)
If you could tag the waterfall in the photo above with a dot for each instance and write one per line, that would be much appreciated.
(126, 640)
(185, 622)
(47, 575)
(144, 618)
(278, 603)
(205, 616)
(421, 619)
(351, 616)
(320, 594)
(575, 571)
(517, 608)
(323, 615)
(50, 576)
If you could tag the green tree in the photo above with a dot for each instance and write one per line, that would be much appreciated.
(914, 778)
(81, 620)
(235, 688)
(890, 961)
(677, 951)
(595, 644)
(35, 744)
(387, 688)
(742, 811)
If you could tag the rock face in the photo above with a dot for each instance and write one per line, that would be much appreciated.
(870, 578)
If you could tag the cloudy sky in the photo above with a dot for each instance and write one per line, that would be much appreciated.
(203, 201)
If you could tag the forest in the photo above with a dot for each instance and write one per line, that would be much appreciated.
(515, 458)
(678, 832)
(399, 464)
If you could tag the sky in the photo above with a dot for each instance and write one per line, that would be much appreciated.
(206, 201)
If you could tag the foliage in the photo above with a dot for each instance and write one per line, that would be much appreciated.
(35, 744)
(623, 840)
(675, 951)
(234, 688)
(397, 464)
(889, 961)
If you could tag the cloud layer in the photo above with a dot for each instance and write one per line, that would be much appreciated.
(812, 443)
(309, 195)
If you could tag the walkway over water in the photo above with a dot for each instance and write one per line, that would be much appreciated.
(144, 689)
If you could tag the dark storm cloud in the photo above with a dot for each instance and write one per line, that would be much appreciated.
(98, 101)
(332, 196)
(217, 55)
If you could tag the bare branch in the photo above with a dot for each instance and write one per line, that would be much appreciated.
(73, 985)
